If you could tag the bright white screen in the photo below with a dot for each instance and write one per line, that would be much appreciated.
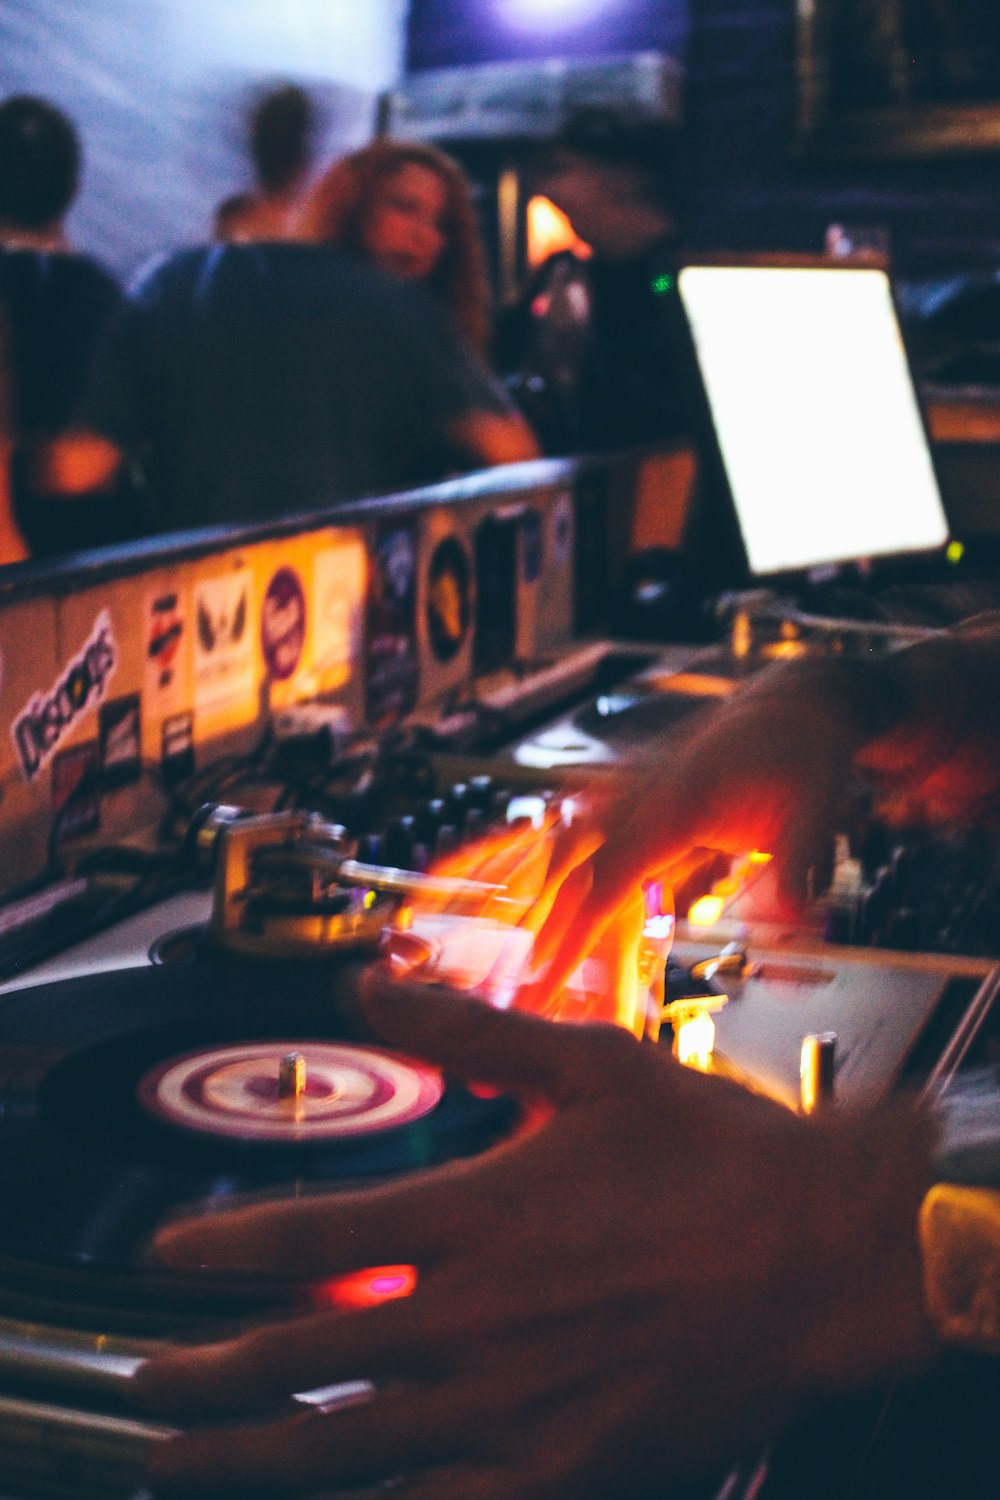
(815, 413)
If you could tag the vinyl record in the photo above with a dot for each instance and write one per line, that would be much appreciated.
(92, 1159)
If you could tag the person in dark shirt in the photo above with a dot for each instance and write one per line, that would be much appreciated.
(58, 302)
(251, 381)
(281, 131)
(588, 350)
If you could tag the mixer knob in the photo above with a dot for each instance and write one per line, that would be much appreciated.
(481, 791)
(397, 846)
(475, 823)
(447, 839)
(458, 804)
(429, 817)
(370, 849)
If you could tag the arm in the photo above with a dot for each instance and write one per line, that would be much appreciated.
(12, 544)
(644, 1283)
(489, 438)
(770, 769)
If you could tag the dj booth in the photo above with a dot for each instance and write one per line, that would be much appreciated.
(230, 758)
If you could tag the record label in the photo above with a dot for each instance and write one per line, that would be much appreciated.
(238, 1091)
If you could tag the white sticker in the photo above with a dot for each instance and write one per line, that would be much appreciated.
(47, 719)
(339, 591)
(223, 641)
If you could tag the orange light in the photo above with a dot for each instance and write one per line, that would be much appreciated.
(367, 1288)
(706, 911)
(549, 231)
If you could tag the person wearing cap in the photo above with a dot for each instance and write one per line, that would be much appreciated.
(608, 381)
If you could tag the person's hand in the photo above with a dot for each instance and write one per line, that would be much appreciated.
(768, 771)
(637, 1286)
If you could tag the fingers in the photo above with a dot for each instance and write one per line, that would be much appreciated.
(465, 1036)
(406, 1429)
(268, 1365)
(312, 1238)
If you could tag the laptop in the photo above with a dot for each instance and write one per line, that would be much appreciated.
(811, 430)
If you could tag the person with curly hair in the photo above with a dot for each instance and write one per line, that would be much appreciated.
(407, 207)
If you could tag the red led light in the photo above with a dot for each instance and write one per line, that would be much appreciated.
(367, 1288)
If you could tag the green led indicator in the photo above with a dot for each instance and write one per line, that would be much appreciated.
(662, 284)
(955, 552)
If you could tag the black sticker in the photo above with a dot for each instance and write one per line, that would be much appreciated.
(449, 599)
(391, 617)
(76, 802)
(121, 740)
(177, 759)
(532, 546)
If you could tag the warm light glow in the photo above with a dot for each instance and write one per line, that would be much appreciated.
(706, 911)
(549, 231)
(694, 1041)
(367, 1288)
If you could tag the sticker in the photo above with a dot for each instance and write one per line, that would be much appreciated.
(223, 643)
(120, 740)
(177, 757)
(532, 546)
(47, 719)
(338, 606)
(449, 599)
(76, 792)
(283, 624)
(164, 635)
(393, 664)
(561, 531)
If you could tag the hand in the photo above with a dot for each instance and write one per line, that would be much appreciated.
(636, 1287)
(767, 770)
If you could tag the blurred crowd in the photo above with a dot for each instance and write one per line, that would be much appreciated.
(336, 335)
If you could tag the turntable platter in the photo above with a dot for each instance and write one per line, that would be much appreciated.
(96, 1151)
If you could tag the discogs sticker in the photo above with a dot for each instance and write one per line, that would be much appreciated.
(223, 642)
(76, 792)
(283, 624)
(47, 719)
(393, 665)
(120, 738)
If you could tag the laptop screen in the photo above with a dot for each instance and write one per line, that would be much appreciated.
(814, 413)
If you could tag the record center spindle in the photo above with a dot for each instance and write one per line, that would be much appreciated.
(292, 1076)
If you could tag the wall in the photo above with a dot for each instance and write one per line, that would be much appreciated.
(158, 89)
(744, 188)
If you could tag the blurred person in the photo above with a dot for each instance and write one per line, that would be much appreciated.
(13, 547)
(588, 349)
(58, 303)
(281, 129)
(408, 209)
(660, 1269)
(251, 381)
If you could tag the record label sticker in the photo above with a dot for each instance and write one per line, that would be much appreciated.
(165, 630)
(283, 624)
(120, 740)
(532, 546)
(393, 664)
(76, 792)
(177, 761)
(561, 531)
(44, 723)
(449, 599)
(223, 642)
